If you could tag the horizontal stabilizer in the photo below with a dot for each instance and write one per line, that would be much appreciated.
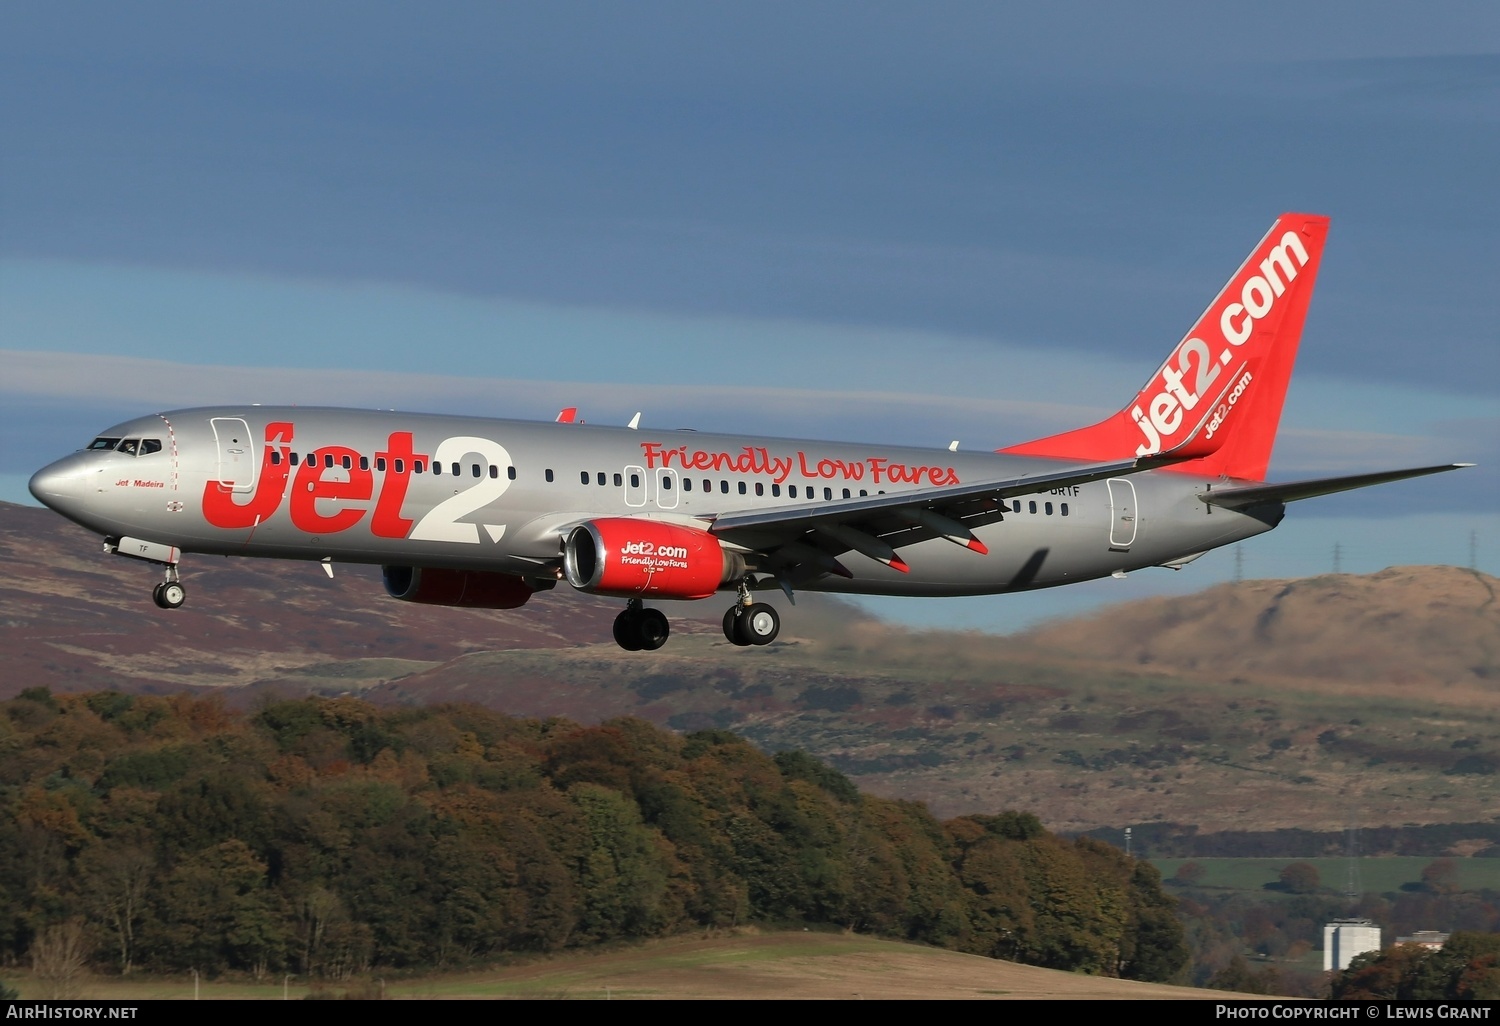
(1240, 497)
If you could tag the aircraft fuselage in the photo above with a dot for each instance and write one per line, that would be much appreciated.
(499, 495)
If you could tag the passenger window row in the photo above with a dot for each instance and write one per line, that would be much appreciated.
(397, 465)
(1015, 507)
(599, 478)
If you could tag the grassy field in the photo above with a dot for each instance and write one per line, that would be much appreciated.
(748, 966)
(1381, 875)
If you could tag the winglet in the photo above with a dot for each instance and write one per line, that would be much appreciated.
(567, 415)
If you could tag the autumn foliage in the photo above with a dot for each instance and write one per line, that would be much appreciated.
(325, 837)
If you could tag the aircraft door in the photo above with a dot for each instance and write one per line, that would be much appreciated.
(666, 488)
(1124, 518)
(635, 486)
(236, 467)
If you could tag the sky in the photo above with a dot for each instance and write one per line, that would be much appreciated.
(877, 221)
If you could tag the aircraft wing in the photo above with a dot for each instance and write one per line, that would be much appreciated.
(803, 540)
(1241, 496)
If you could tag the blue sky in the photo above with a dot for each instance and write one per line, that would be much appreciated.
(890, 221)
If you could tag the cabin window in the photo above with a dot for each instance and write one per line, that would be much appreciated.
(510, 472)
(791, 491)
(827, 493)
(1015, 506)
(457, 470)
(583, 476)
(635, 480)
(666, 483)
(494, 472)
(380, 464)
(708, 485)
(1032, 506)
(602, 479)
(417, 466)
(1049, 509)
(437, 468)
(687, 484)
(474, 470)
(742, 488)
(400, 466)
(348, 462)
(275, 458)
(328, 461)
(619, 480)
(846, 493)
(776, 490)
(364, 463)
(1064, 509)
(724, 487)
(549, 475)
(863, 493)
(760, 489)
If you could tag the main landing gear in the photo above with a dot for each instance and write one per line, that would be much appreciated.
(751, 623)
(639, 629)
(169, 594)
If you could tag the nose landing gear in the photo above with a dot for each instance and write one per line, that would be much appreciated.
(639, 629)
(169, 594)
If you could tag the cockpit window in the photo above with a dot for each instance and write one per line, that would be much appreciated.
(128, 447)
(104, 443)
(150, 445)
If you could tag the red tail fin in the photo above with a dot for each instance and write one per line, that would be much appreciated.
(1228, 377)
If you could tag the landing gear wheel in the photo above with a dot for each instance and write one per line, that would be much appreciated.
(731, 621)
(760, 624)
(169, 595)
(628, 630)
(652, 629)
(156, 596)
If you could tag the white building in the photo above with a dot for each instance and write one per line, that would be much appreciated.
(1345, 938)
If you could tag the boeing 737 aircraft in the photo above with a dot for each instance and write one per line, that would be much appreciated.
(482, 513)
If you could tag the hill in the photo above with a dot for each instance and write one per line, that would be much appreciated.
(1260, 705)
(1402, 629)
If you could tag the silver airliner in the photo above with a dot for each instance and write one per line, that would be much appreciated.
(483, 513)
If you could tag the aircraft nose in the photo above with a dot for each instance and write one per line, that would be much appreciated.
(57, 485)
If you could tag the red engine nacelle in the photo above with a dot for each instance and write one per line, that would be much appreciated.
(621, 556)
(474, 589)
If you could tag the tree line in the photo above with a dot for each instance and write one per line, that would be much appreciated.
(326, 837)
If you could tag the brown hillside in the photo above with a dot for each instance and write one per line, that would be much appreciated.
(73, 618)
(1412, 625)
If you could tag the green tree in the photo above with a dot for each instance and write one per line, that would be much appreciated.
(218, 913)
(624, 869)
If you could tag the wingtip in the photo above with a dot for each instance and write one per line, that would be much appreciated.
(897, 563)
(978, 546)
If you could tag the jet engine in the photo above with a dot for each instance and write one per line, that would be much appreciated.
(474, 589)
(623, 556)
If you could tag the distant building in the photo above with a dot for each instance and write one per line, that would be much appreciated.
(1345, 938)
(1430, 939)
